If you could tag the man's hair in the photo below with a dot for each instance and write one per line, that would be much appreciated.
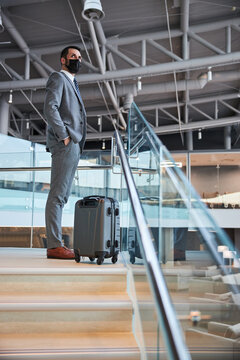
(65, 50)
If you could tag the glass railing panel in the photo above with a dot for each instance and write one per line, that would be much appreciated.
(15, 152)
(97, 157)
(16, 193)
(202, 276)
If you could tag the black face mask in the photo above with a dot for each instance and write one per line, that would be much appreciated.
(73, 66)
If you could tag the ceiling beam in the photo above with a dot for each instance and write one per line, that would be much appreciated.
(196, 125)
(127, 40)
(151, 70)
(205, 43)
(147, 88)
(164, 50)
(198, 100)
(160, 35)
(122, 56)
(162, 130)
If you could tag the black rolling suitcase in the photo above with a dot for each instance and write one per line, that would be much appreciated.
(133, 245)
(97, 229)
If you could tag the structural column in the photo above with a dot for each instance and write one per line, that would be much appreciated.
(4, 116)
(185, 54)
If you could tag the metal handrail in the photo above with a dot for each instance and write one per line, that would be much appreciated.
(48, 168)
(173, 335)
(85, 167)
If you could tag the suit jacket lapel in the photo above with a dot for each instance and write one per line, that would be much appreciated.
(70, 81)
(75, 90)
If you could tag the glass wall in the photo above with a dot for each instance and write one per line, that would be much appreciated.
(24, 192)
(216, 177)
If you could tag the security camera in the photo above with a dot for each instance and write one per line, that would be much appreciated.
(92, 10)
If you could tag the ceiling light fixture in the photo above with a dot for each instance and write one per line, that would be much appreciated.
(200, 134)
(1, 24)
(92, 10)
(10, 97)
(139, 83)
(103, 145)
(209, 74)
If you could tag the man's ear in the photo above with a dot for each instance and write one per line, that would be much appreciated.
(63, 61)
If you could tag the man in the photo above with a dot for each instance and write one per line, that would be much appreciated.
(66, 132)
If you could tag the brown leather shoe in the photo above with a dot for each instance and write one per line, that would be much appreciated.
(60, 253)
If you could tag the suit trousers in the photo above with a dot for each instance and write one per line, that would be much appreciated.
(64, 164)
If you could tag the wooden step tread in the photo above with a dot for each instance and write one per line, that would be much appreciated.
(79, 269)
(104, 354)
(58, 342)
(89, 305)
(69, 298)
(27, 261)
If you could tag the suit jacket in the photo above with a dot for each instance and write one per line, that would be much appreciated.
(64, 111)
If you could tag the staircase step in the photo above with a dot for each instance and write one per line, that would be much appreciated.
(56, 309)
(46, 317)
(97, 282)
(97, 346)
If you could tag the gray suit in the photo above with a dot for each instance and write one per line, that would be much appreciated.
(66, 116)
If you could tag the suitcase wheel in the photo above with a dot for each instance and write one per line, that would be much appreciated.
(132, 258)
(77, 256)
(91, 258)
(114, 259)
(100, 260)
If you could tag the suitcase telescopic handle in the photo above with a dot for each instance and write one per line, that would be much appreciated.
(97, 197)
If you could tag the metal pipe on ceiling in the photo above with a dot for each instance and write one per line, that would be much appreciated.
(18, 39)
(15, 34)
(102, 69)
(123, 90)
(164, 50)
(174, 33)
(164, 129)
(195, 125)
(9, 3)
(201, 100)
(150, 70)
(127, 40)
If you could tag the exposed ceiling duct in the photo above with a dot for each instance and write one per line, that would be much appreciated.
(123, 90)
